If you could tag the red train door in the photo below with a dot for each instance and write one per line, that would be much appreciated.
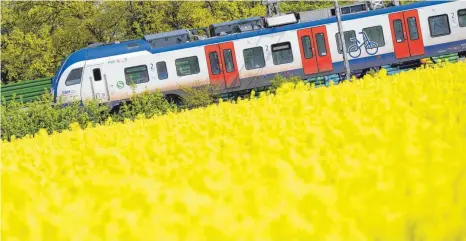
(221, 61)
(308, 56)
(406, 34)
(314, 48)
(415, 41)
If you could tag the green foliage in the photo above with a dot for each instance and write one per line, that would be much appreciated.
(278, 80)
(21, 118)
(146, 103)
(195, 97)
(26, 118)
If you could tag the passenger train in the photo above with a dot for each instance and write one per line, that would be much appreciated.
(246, 54)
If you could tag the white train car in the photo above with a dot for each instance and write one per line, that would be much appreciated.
(246, 60)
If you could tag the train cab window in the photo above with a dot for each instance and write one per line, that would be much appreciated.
(228, 58)
(439, 25)
(321, 47)
(412, 27)
(74, 77)
(136, 75)
(254, 58)
(281, 53)
(187, 66)
(348, 36)
(214, 66)
(162, 72)
(462, 17)
(307, 46)
(97, 74)
(375, 34)
(398, 27)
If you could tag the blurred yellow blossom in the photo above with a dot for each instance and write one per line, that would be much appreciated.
(380, 158)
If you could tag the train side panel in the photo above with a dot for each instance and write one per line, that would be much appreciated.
(377, 30)
(447, 37)
(258, 52)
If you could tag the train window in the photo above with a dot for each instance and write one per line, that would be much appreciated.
(136, 75)
(214, 66)
(228, 58)
(187, 66)
(439, 25)
(97, 74)
(307, 46)
(74, 77)
(320, 39)
(345, 10)
(162, 70)
(462, 17)
(281, 53)
(358, 8)
(348, 36)
(254, 58)
(375, 34)
(398, 26)
(412, 27)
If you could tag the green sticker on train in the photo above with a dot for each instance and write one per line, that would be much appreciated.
(120, 84)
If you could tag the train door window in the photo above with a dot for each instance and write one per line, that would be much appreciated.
(187, 66)
(74, 77)
(281, 53)
(228, 58)
(162, 70)
(439, 25)
(97, 74)
(348, 36)
(462, 17)
(214, 66)
(398, 27)
(307, 46)
(254, 58)
(136, 75)
(321, 48)
(412, 27)
(375, 34)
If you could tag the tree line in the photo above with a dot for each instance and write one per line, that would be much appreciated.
(38, 35)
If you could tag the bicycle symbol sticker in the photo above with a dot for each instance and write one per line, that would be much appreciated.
(371, 47)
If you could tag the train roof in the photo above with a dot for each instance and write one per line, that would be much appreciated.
(239, 21)
(166, 34)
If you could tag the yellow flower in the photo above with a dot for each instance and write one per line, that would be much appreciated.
(380, 158)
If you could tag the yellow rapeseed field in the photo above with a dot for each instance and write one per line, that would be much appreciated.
(378, 159)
